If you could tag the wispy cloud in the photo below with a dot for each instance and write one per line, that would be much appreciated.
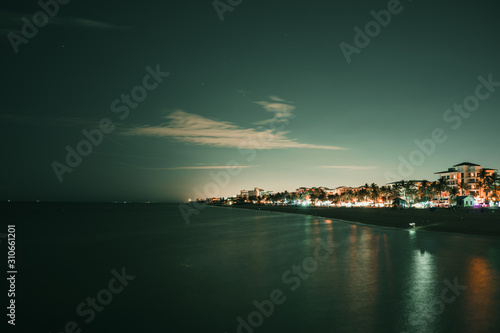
(281, 108)
(195, 129)
(349, 167)
(278, 99)
(205, 167)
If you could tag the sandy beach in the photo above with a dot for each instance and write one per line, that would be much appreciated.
(464, 221)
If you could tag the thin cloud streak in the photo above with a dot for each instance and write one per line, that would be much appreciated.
(349, 167)
(195, 129)
(205, 167)
(214, 167)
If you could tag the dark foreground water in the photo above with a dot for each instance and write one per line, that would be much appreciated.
(233, 270)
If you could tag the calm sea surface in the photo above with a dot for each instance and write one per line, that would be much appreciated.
(234, 270)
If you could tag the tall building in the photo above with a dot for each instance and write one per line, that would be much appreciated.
(255, 192)
(341, 189)
(466, 173)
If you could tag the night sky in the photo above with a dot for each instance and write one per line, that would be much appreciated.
(269, 88)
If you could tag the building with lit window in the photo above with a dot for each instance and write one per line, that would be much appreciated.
(256, 192)
(342, 189)
(465, 176)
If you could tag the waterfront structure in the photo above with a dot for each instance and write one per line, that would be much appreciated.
(466, 177)
(342, 189)
(465, 201)
(301, 190)
(265, 193)
(328, 191)
(256, 192)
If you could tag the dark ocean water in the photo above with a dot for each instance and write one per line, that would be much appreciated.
(233, 270)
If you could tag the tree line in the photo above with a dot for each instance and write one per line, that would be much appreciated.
(409, 191)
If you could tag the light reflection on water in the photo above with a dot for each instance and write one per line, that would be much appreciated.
(376, 280)
(423, 289)
(201, 277)
(482, 282)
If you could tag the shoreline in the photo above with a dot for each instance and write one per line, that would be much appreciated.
(441, 220)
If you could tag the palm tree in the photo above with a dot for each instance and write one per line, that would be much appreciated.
(496, 183)
(285, 196)
(491, 184)
(314, 197)
(334, 198)
(424, 185)
(387, 192)
(342, 197)
(322, 196)
(363, 193)
(410, 191)
(434, 189)
(496, 180)
(483, 181)
(397, 189)
(348, 195)
(374, 192)
(395, 192)
(442, 186)
(463, 187)
(402, 188)
(439, 187)
(453, 194)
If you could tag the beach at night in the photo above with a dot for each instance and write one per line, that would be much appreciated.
(134, 267)
(250, 166)
(464, 221)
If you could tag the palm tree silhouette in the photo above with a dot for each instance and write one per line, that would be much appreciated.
(463, 186)
(483, 181)
(453, 194)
